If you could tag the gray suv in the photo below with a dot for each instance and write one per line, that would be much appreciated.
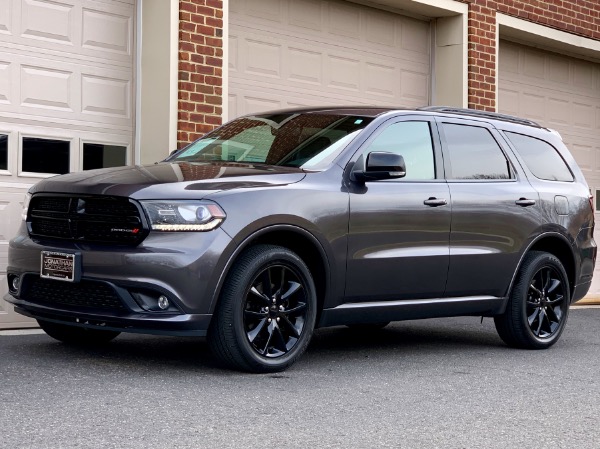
(277, 223)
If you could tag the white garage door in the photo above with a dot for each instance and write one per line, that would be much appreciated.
(289, 53)
(66, 98)
(559, 92)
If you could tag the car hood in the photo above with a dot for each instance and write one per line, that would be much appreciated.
(170, 180)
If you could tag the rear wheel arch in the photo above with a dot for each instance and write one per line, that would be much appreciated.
(557, 245)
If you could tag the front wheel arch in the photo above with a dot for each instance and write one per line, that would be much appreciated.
(297, 239)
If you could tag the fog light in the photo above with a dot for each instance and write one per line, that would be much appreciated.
(163, 302)
(15, 283)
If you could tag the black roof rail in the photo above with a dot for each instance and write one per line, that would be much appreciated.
(478, 113)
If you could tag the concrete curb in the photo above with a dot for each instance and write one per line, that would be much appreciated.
(589, 301)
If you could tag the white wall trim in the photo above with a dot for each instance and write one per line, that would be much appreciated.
(225, 69)
(138, 83)
(547, 37)
(448, 5)
(156, 127)
(174, 75)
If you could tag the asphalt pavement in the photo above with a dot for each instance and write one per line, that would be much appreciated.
(440, 383)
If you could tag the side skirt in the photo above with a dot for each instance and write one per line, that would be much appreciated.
(381, 311)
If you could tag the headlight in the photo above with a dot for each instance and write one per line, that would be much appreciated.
(176, 215)
(26, 201)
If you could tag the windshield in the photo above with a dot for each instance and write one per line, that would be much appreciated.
(310, 141)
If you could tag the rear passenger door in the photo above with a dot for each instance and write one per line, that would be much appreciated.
(495, 210)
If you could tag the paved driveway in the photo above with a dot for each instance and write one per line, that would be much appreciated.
(447, 383)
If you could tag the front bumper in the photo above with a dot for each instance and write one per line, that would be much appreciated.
(194, 325)
(119, 284)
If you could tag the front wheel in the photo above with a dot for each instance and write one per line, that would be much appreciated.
(538, 306)
(267, 311)
(76, 335)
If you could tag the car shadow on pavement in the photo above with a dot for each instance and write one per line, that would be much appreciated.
(144, 354)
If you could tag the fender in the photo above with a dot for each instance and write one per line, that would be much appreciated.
(527, 249)
(246, 242)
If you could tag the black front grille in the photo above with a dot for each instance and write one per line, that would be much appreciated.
(101, 219)
(86, 294)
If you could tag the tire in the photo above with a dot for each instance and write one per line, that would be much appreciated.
(75, 335)
(367, 327)
(538, 306)
(266, 313)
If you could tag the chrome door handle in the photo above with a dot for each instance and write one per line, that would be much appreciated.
(435, 202)
(524, 202)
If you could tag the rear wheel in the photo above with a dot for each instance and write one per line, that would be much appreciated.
(76, 335)
(538, 306)
(266, 313)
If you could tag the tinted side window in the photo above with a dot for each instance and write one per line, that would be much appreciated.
(412, 140)
(541, 158)
(474, 153)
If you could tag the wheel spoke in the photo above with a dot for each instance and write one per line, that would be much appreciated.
(259, 295)
(282, 283)
(279, 340)
(546, 283)
(540, 322)
(293, 288)
(537, 292)
(290, 326)
(265, 349)
(256, 315)
(553, 285)
(533, 316)
(265, 279)
(550, 326)
(558, 299)
(296, 310)
(254, 332)
(556, 316)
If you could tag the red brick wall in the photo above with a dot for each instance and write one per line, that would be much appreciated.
(580, 17)
(200, 68)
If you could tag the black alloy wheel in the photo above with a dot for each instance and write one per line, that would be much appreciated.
(275, 311)
(266, 313)
(546, 302)
(538, 306)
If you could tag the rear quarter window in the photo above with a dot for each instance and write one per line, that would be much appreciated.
(542, 159)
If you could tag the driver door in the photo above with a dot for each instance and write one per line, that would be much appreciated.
(399, 230)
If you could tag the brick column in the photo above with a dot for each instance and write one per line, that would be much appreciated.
(200, 68)
(482, 55)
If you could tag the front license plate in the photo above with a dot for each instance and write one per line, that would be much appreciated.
(59, 266)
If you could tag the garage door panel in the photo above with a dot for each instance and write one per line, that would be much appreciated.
(105, 31)
(327, 51)
(344, 21)
(583, 115)
(93, 28)
(35, 85)
(305, 66)
(307, 14)
(48, 21)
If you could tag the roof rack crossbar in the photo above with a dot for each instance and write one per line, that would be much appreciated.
(478, 113)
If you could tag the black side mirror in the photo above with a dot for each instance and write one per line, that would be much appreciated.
(381, 165)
